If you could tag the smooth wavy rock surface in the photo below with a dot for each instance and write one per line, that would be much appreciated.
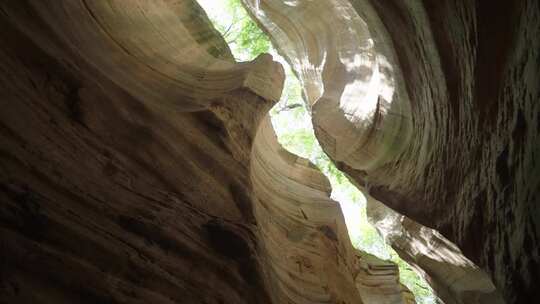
(138, 165)
(432, 107)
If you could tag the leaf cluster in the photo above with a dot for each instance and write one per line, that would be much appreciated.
(243, 35)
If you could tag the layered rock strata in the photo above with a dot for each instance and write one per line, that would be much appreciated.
(376, 281)
(138, 165)
(431, 107)
(454, 278)
(308, 255)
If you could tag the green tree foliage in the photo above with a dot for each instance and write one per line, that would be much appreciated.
(252, 38)
(292, 123)
(246, 40)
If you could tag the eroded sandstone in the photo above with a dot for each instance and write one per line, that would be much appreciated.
(138, 164)
(453, 146)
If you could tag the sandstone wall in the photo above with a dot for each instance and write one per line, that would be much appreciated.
(432, 108)
(138, 165)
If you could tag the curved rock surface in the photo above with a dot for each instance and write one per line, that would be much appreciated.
(348, 72)
(454, 278)
(448, 138)
(138, 165)
(113, 190)
(306, 248)
(376, 281)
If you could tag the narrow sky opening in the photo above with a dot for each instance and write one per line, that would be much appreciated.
(293, 126)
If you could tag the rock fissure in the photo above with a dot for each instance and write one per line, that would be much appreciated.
(139, 164)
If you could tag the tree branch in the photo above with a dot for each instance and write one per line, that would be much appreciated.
(288, 107)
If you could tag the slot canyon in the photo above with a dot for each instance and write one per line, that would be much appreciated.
(139, 164)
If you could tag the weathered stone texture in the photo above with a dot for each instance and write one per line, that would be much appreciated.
(455, 146)
(138, 164)
(113, 190)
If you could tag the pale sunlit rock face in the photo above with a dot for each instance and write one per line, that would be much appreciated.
(450, 143)
(349, 75)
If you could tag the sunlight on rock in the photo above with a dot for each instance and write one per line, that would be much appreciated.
(270, 151)
(292, 123)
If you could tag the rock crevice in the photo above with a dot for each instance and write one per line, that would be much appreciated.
(138, 163)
